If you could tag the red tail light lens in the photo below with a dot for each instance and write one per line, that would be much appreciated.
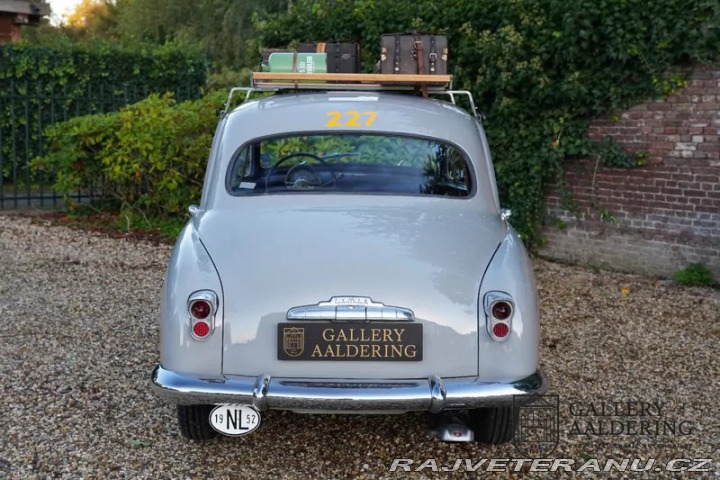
(200, 309)
(500, 330)
(201, 329)
(501, 310)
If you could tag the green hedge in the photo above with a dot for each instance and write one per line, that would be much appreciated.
(150, 157)
(40, 86)
(73, 69)
(537, 68)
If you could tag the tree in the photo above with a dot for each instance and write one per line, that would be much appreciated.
(223, 29)
(88, 14)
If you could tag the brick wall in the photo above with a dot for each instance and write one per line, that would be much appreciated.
(658, 218)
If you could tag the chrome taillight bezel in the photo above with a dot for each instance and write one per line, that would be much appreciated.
(489, 300)
(210, 297)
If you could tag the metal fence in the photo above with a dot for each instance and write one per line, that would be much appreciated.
(26, 110)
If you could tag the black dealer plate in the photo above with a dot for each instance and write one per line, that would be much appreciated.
(376, 341)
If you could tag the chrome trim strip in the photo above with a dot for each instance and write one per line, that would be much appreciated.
(350, 308)
(433, 394)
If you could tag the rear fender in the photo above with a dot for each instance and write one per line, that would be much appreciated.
(190, 270)
(510, 271)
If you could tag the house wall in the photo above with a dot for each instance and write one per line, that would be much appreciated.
(9, 30)
(655, 219)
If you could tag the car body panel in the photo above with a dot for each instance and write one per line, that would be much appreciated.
(190, 269)
(424, 254)
(511, 272)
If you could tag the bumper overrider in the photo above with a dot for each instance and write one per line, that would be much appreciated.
(270, 393)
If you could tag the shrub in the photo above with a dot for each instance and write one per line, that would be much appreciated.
(695, 274)
(150, 156)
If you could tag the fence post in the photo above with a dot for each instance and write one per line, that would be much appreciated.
(28, 186)
(14, 143)
(40, 98)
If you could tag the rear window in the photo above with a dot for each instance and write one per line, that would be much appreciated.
(348, 163)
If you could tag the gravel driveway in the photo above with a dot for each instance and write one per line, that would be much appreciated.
(80, 336)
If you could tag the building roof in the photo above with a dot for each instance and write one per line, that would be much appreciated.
(25, 7)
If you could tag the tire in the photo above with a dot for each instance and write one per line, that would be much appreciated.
(493, 424)
(194, 421)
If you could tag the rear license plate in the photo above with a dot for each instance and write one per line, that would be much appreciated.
(376, 341)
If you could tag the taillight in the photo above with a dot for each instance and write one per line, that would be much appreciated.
(501, 330)
(201, 329)
(202, 307)
(499, 310)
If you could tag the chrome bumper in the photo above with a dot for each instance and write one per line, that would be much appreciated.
(306, 395)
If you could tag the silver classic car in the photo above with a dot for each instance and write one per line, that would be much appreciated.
(349, 255)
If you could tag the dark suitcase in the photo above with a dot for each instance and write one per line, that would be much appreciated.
(309, 47)
(342, 57)
(414, 53)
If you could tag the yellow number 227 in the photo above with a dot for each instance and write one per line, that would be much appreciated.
(350, 119)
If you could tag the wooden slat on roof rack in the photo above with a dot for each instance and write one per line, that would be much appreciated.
(348, 79)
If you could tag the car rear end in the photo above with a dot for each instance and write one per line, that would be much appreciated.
(324, 285)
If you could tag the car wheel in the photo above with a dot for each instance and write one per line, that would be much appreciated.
(194, 422)
(492, 424)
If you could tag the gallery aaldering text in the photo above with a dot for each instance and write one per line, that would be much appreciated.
(627, 417)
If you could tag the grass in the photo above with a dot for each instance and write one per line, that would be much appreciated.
(696, 274)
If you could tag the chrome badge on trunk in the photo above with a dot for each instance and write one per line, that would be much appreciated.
(350, 308)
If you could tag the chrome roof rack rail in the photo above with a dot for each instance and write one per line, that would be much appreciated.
(248, 93)
(436, 85)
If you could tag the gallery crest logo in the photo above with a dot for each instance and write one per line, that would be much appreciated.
(537, 429)
(294, 341)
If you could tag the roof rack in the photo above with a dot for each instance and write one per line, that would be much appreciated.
(348, 81)
(274, 82)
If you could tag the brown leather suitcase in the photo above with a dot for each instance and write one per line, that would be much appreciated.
(414, 53)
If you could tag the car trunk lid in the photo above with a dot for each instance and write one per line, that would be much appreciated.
(360, 268)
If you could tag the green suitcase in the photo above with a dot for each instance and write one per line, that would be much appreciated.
(286, 62)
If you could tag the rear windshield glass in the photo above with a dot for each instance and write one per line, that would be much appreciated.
(350, 163)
